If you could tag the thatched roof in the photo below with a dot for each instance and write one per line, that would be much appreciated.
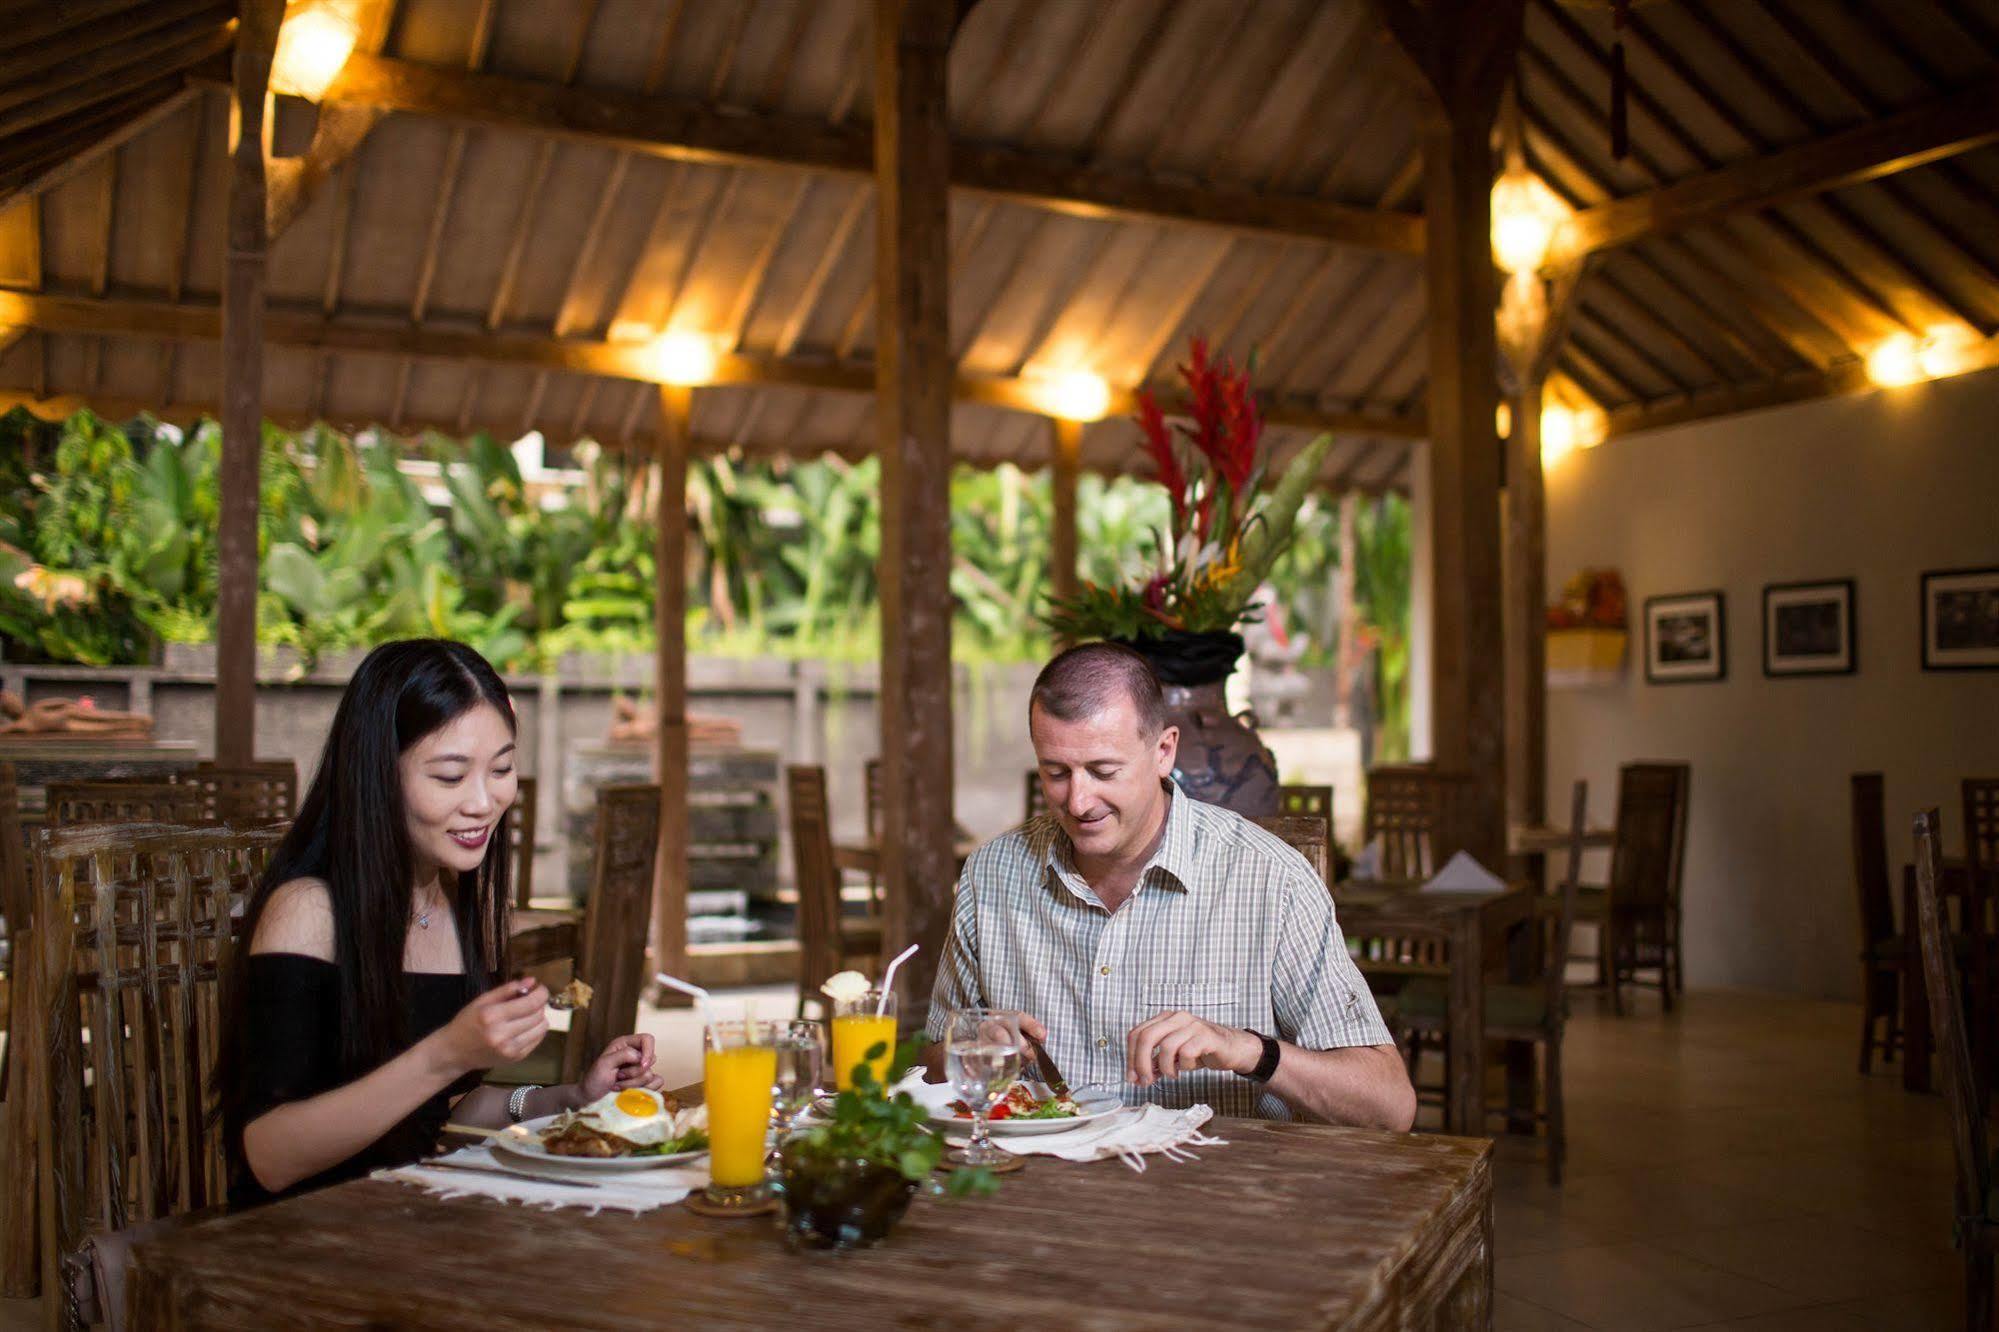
(699, 164)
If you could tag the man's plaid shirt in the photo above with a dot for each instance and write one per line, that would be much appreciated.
(1227, 923)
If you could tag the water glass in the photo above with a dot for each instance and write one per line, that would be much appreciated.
(982, 1055)
(801, 1059)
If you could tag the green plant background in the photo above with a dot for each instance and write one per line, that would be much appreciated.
(781, 554)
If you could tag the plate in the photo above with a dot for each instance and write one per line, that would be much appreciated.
(936, 1097)
(523, 1140)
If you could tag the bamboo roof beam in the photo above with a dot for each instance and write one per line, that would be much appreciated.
(689, 131)
(305, 327)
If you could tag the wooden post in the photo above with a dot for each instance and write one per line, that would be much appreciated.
(242, 391)
(1066, 464)
(913, 374)
(1465, 50)
(669, 912)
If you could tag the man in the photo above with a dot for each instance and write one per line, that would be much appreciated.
(1157, 944)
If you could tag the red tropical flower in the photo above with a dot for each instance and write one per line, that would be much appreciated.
(1159, 443)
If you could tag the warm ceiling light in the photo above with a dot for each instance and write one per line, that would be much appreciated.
(313, 43)
(1502, 419)
(1077, 396)
(1946, 350)
(1897, 360)
(687, 359)
(1525, 214)
(1559, 431)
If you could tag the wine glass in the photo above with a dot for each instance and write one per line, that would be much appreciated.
(982, 1052)
(801, 1057)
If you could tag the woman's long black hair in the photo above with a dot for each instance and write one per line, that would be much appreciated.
(352, 832)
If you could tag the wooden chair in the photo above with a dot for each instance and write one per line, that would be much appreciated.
(1037, 799)
(1638, 911)
(826, 942)
(1530, 1011)
(1882, 949)
(1977, 1231)
(13, 908)
(1305, 834)
(71, 803)
(611, 956)
(520, 840)
(1980, 906)
(266, 791)
(1409, 815)
(135, 932)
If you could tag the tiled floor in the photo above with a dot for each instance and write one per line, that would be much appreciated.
(1727, 1169)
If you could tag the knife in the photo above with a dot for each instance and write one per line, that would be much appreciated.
(1049, 1073)
(516, 1175)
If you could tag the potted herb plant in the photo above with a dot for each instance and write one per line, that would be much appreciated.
(846, 1182)
(1229, 524)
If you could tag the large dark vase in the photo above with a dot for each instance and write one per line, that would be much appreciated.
(1221, 759)
(836, 1202)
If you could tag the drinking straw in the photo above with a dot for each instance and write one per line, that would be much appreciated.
(701, 1000)
(888, 980)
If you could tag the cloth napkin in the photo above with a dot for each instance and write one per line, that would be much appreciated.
(1130, 1135)
(1462, 874)
(634, 1191)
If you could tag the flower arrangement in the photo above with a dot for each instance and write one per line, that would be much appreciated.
(1227, 527)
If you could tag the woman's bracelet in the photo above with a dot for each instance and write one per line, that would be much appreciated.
(517, 1104)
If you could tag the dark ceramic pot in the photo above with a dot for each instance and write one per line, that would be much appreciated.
(1221, 761)
(837, 1202)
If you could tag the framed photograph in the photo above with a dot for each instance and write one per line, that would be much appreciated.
(1685, 639)
(1808, 628)
(1961, 620)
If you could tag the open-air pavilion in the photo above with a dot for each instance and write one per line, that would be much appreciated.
(973, 233)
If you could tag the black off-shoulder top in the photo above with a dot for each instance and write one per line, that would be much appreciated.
(293, 1050)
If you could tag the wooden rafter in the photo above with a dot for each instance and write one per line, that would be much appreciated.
(678, 129)
(37, 163)
(306, 327)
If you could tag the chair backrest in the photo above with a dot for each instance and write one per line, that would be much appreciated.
(520, 841)
(13, 856)
(1294, 799)
(261, 792)
(1651, 834)
(871, 778)
(611, 956)
(1981, 823)
(1960, 1087)
(1409, 811)
(1555, 979)
(1306, 834)
(1037, 798)
(817, 879)
(1870, 860)
(71, 803)
(135, 934)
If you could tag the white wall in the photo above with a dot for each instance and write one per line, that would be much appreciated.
(1877, 487)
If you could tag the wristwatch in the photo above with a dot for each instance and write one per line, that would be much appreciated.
(517, 1104)
(1266, 1067)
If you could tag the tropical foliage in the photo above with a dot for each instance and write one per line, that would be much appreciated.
(107, 549)
(1224, 530)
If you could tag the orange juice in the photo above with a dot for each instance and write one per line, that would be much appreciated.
(738, 1087)
(853, 1035)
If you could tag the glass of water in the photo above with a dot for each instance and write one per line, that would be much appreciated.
(982, 1061)
(801, 1059)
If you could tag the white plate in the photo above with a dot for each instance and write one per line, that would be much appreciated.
(523, 1140)
(936, 1097)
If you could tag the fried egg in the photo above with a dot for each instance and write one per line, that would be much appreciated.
(634, 1114)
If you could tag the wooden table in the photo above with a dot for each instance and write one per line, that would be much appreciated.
(1539, 839)
(1290, 1225)
(1473, 926)
(1953, 880)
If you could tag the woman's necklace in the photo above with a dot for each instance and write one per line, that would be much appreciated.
(423, 916)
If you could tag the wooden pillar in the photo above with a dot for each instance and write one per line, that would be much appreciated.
(1066, 463)
(913, 376)
(669, 911)
(242, 390)
(1464, 50)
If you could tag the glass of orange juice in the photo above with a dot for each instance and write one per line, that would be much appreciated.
(860, 1024)
(739, 1067)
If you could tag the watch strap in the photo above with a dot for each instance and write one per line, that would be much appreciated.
(1266, 1067)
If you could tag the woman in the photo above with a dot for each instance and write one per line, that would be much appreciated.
(374, 992)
